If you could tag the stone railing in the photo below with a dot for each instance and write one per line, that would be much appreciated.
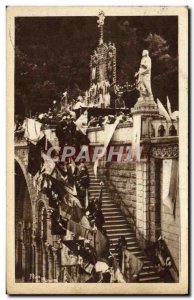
(122, 134)
(162, 128)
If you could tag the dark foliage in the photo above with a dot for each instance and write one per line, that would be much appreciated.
(53, 53)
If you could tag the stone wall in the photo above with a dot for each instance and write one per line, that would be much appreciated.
(142, 201)
(170, 226)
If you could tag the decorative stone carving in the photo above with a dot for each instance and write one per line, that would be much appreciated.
(103, 59)
(165, 151)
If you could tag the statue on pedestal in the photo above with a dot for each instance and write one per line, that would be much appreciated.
(143, 82)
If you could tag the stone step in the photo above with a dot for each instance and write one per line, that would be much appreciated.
(147, 263)
(130, 240)
(95, 182)
(117, 226)
(113, 218)
(93, 179)
(107, 199)
(93, 185)
(109, 223)
(124, 230)
(133, 248)
(111, 213)
(147, 274)
(110, 209)
(94, 191)
(97, 193)
(115, 237)
(97, 189)
(132, 245)
(108, 204)
(155, 278)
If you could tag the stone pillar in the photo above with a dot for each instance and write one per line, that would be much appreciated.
(23, 261)
(37, 263)
(55, 277)
(50, 266)
(33, 262)
(58, 266)
(142, 201)
(27, 262)
(147, 108)
(43, 261)
(155, 229)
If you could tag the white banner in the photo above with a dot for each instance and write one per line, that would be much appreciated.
(135, 151)
(109, 130)
(170, 183)
(33, 131)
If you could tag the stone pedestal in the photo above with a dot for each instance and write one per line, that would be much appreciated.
(148, 110)
(145, 105)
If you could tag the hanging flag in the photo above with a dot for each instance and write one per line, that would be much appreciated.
(48, 166)
(82, 122)
(100, 197)
(87, 199)
(58, 224)
(51, 138)
(135, 149)
(33, 131)
(72, 165)
(65, 211)
(77, 247)
(109, 130)
(169, 107)
(162, 111)
(170, 183)
(34, 159)
(173, 115)
(74, 211)
(66, 258)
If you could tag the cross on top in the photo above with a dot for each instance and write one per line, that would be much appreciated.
(101, 17)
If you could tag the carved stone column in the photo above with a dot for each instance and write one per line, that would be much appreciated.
(50, 265)
(43, 260)
(32, 263)
(36, 278)
(55, 277)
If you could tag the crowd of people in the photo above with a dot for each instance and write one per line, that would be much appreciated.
(101, 121)
(76, 175)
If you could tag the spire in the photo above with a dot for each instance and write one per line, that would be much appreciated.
(101, 17)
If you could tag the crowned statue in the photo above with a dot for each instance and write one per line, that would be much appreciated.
(143, 76)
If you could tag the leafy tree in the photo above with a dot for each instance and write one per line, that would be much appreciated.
(165, 68)
(52, 54)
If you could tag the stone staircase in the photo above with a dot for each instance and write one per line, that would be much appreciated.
(116, 226)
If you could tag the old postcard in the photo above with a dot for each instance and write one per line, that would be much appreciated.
(97, 143)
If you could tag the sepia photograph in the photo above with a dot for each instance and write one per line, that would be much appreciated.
(97, 101)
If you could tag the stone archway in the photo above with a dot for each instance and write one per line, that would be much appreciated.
(23, 227)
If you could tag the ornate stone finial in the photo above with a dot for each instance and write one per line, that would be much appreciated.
(101, 17)
(100, 21)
